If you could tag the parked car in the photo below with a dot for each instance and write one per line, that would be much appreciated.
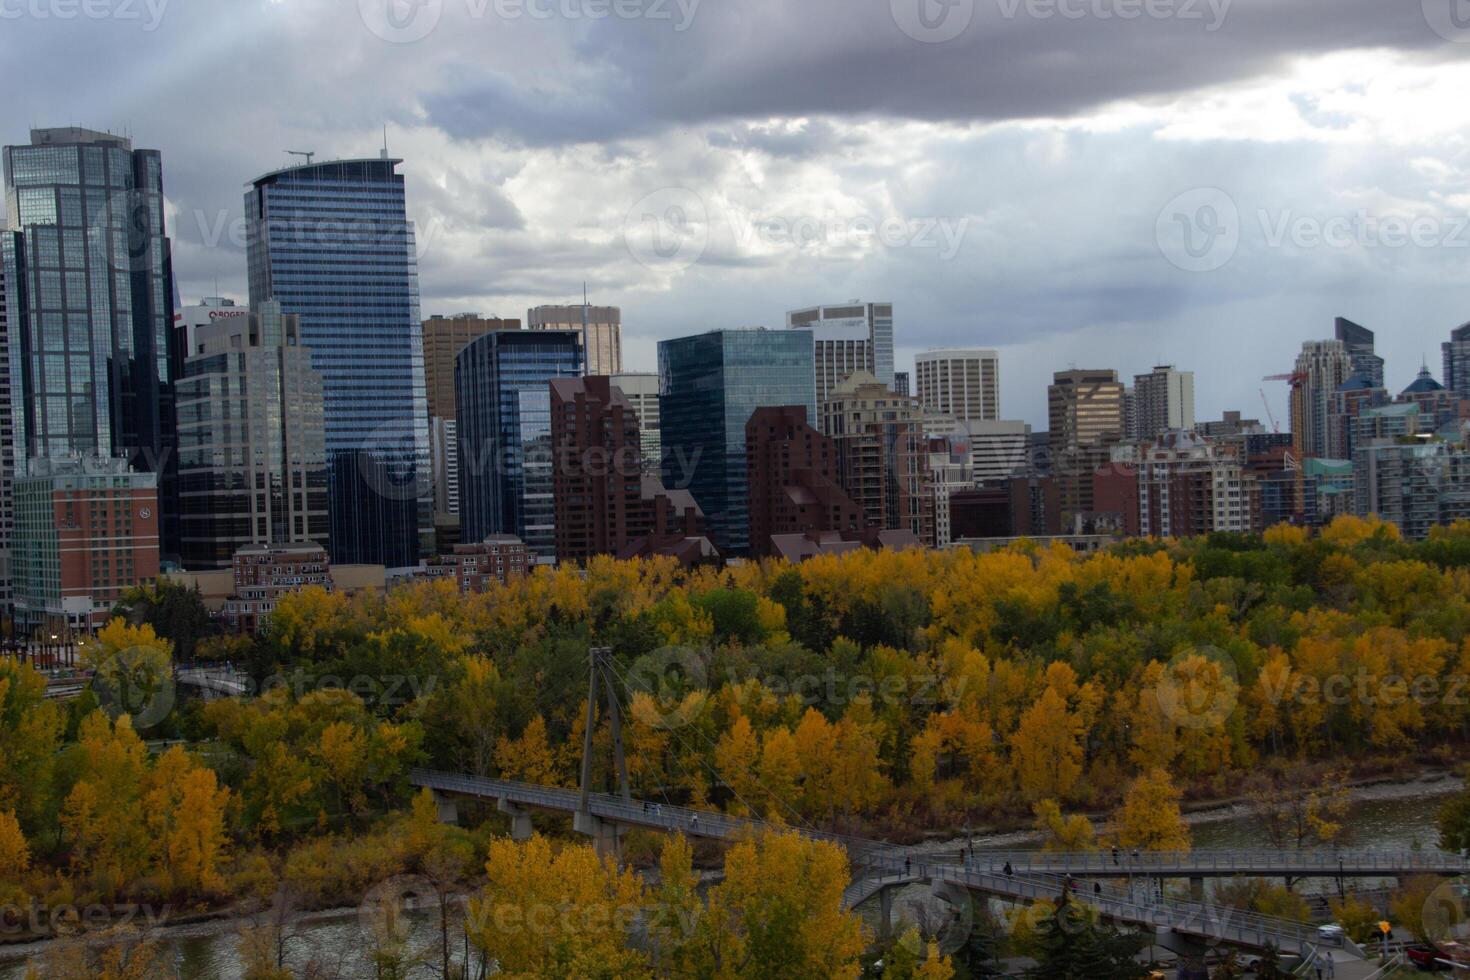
(1424, 957)
(1331, 935)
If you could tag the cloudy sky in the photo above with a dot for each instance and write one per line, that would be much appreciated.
(1090, 183)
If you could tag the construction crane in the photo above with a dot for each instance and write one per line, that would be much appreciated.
(1275, 425)
(308, 154)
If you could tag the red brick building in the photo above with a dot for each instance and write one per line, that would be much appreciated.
(85, 532)
(791, 475)
(263, 573)
(473, 567)
(603, 501)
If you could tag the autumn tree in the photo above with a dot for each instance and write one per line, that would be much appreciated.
(557, 911)
(1149, 818)
(1046, 749)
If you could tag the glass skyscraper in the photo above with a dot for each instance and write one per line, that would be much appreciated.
(88, 295)
(332, 243)
(502, 395)
(709, 386)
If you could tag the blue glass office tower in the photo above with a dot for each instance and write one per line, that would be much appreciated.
(502, 404)
(708, 388)
(89, 300)
(332, 243)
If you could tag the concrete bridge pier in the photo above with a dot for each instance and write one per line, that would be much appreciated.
(1197, 890)
(520, 819)
(448, 809)
(606, 837)
(885, 915)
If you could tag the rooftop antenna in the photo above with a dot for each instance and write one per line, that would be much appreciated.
(385, 141)
(302, 153)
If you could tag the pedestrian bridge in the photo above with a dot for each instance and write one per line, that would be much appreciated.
(880, 867)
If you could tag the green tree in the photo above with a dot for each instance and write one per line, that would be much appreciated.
(176, 612)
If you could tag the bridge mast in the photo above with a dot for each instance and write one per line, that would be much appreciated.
(599, 669)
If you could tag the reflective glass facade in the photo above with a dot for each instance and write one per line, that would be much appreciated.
(709, 386)
(89, 300)
(502, 394)
(332, 243)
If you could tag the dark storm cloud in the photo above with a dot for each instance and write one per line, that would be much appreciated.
(772, 58)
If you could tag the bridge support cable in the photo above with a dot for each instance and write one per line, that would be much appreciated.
(714, 773)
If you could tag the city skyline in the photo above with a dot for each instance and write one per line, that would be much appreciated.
(1297, 113)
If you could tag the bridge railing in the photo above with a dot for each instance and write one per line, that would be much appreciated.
(1217, 922)
(1321, 861)
(1220, 923)
(665, 816)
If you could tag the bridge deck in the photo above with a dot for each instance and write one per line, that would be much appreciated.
(1315, 863)
(1212, 924)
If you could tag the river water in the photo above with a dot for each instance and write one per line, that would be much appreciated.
(209, 951)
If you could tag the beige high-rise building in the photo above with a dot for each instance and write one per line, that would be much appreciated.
(641, 391)
(1163, 401)
(882, 454)
(1321, 368)
(1085, 412)
(603, 345)
(444, 338)
(963, 384)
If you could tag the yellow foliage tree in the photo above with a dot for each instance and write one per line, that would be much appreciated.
(557, 913)
(780, 907)
(1046, 749)
(1150, 818)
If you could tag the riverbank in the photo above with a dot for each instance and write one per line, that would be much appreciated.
(1426, 784)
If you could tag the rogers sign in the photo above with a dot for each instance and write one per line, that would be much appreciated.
(226, 314)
